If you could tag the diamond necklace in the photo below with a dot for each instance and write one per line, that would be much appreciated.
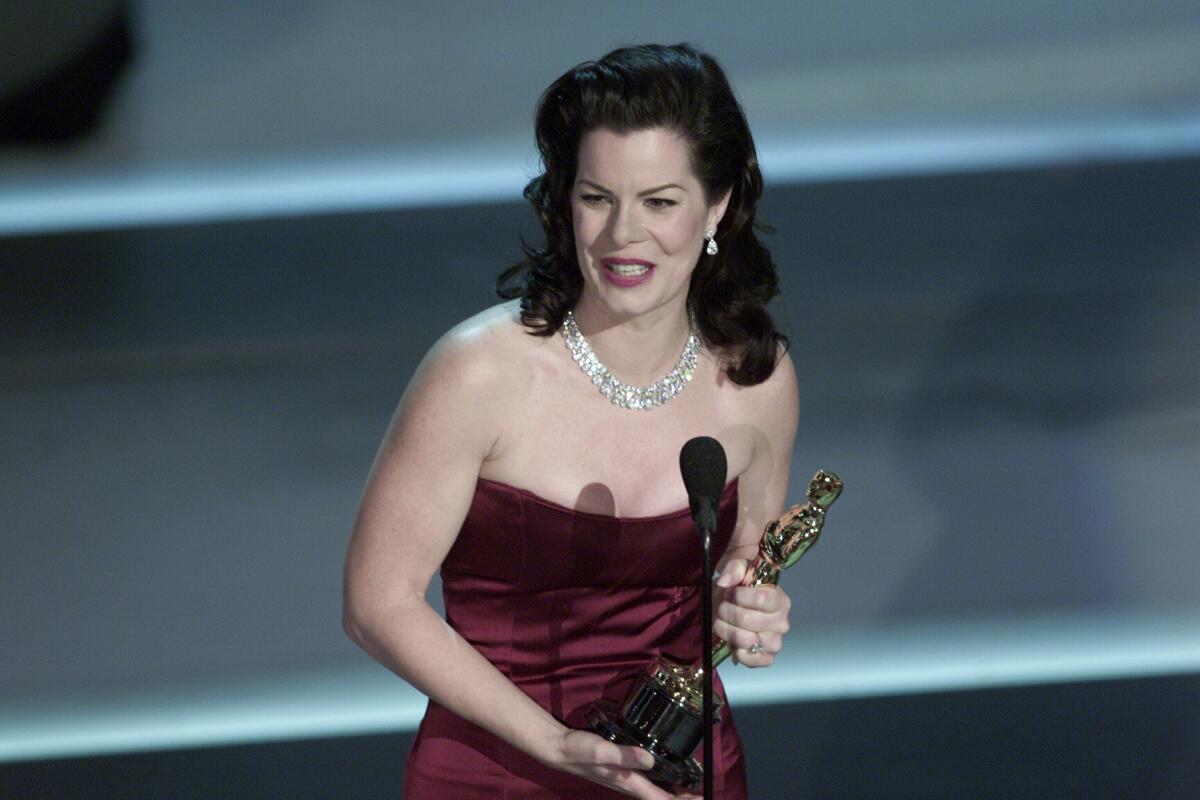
(636, 397)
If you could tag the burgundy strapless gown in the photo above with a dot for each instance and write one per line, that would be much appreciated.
(571, 607)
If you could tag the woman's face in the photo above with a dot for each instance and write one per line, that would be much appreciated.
(639, 214)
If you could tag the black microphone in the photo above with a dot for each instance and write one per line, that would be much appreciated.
(703, 466)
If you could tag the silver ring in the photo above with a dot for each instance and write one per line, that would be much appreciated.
(757, 647)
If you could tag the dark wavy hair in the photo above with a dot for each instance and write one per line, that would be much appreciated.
(681, 89)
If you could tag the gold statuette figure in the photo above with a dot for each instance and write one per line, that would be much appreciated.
(663, 713)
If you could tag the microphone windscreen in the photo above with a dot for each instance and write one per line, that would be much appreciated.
(702, 464)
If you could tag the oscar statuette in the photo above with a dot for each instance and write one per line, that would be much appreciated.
(663, 712)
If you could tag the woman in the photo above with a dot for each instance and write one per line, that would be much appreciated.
(543, 480)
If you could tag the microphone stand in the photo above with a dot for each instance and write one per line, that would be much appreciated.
(703, 466)
(706, 649)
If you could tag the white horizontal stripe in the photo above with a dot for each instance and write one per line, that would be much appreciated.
(197, 195)
(980, 655)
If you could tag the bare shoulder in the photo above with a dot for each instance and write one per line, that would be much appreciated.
(468, 379)
(485, 361)
(447, 425)
(767, 416)
(774, 404)
(477, 352)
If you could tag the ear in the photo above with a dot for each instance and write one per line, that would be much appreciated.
(716, 212)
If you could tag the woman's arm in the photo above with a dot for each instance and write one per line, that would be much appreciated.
(418, 494)
(747, 615)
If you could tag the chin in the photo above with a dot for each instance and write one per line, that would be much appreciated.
(626, 306)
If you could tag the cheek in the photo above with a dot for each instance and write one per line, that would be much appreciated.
(586, 228)
(680, 235)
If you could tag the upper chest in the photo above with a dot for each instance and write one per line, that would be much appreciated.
(571, 445)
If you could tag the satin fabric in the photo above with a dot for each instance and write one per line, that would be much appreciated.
(571, 607)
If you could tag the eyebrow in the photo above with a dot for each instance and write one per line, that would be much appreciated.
(655, 190)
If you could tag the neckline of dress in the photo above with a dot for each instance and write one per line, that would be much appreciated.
(730, 489)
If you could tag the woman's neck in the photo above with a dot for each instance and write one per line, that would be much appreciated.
(638, 350)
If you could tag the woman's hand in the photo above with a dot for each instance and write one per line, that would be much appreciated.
(752, 619)
(618, 767)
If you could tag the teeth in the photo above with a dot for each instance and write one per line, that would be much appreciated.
(629, 270)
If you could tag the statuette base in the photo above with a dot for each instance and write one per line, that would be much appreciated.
(670, 769)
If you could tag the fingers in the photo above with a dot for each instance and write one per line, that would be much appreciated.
(587, 748)
(768, 643)
(733, 573)
(625, 757)
(749, 658)
(641, 787)
(744, 644)
(753, 620)
(629, 782)
(762, 609)
(619, 767)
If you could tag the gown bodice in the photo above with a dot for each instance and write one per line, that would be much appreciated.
(570, 606)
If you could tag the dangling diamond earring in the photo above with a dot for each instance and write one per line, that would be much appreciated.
(711, 247)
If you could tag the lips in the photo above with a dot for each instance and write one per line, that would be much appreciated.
(627, 267)
(626, 272)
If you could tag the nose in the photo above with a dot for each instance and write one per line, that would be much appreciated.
(626, 228)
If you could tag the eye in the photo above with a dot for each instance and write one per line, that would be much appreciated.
(593, 199)
(659, 203)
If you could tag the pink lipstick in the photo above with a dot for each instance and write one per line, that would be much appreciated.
(627, 271)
